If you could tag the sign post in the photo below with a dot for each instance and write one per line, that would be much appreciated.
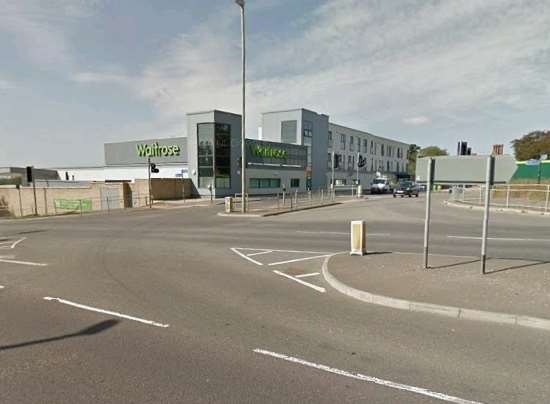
(428, 210)
(149, 180)
(488, 183)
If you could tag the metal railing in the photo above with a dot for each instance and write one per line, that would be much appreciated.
(512, 196)
(293, 200)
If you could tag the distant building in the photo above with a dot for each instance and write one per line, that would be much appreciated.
(498, 149)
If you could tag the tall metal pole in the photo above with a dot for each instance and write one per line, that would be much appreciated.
(332, 173)
(243, 118)
(428, 211)
(488, 183)
(358, 156)
(149, 180)
(34, 192)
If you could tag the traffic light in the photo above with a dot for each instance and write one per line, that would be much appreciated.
(29, 174)
(154, 168)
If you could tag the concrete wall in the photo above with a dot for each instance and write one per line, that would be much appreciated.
(163, 188)
(20, 201)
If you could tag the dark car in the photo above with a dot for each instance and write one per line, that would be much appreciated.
(407, 188)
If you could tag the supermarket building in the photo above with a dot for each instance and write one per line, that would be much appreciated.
(294, 151)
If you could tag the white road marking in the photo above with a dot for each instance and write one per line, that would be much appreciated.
(309, 285)
(338, 233)
(308, 275)
(299, 259)
(111, 313)
(1, 287)
(259, 253)
(370, 379)
(17, 242)
(245, 257)
(35, 264)
(499, 238)
(289, 251)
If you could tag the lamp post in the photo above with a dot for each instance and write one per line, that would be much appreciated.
(240, 3)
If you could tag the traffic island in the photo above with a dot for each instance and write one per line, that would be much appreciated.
(515, 292)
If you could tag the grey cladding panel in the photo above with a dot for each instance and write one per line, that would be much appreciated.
(170, 150)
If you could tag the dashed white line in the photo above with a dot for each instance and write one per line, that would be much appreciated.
(499, 238)
(338, 233)
(236, 251)
(307, 275)
(111, 313)
(309, 285)
(35, 264)
(299, 259)
(370, 379)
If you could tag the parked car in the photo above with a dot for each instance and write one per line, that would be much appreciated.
(407, 188)
(380, 186)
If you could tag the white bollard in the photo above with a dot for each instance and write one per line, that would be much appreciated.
(358, 237)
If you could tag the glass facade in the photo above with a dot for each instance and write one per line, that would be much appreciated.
(214, 155)
(295, 183)
(308, 141)
(264, 183)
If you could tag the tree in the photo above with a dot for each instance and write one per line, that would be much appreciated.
(432, 151)
(532, 145)
(412, 153)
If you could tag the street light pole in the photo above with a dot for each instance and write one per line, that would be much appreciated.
(240, 3)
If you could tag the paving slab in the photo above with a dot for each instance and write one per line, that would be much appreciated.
(515, 287)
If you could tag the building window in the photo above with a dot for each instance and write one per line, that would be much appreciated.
(350, 164)
(340, 182)
(329, 160)
(338, 163)
(288, 131)
(264, 183)
(351, 145)
(365, 146)
(214, 155)
(330, 139)
(382, 150)
(388, 166)
(295, 183)
(372, 151)
(343, 142)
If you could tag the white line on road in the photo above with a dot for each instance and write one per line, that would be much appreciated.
(309, 285)
(289, 251)
(245, 257)
(308, 275)
(339, 233)
(299, 259)
(111, 313)
(17, 242)
(34, 264)
(370, 379)
(499, 238)
(1, 287)
(259, 253)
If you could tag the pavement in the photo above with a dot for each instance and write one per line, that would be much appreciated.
(182, 305)
(512, 287)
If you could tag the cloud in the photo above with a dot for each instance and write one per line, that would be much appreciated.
(40, 29)
(6, 85)
(100, 77)
(416, 120)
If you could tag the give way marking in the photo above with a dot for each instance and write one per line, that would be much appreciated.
(10, 243)
(369, 379)
(254, 255)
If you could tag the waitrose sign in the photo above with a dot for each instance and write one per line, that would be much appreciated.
(264, 151)
(156, 150)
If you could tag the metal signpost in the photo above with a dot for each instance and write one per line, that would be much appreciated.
(465, 170)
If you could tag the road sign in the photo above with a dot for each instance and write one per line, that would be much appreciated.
(465, 169)
(543, 157)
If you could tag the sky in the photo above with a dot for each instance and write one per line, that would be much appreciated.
(78, 73)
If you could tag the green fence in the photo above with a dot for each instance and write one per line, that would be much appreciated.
(530, 174)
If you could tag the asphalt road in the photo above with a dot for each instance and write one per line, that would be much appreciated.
(162, 306)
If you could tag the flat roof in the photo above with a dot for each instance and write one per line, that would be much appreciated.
(292, 110)
(143, 140)
(212, 111)
(367, 133)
